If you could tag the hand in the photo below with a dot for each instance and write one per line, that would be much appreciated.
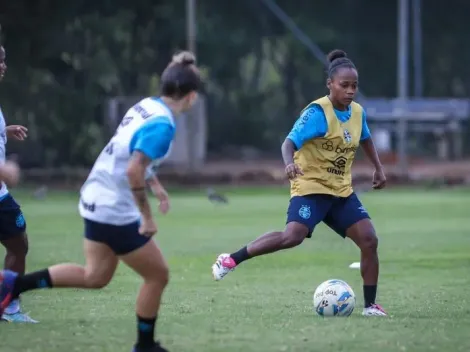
(162, 196)
(379, 180)
(10, 173)
(148, 227)
(17, 132)
(292, 170)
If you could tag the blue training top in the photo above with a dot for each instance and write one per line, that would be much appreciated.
(312, 124)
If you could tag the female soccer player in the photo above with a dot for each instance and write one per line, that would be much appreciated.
(12, 223)
(114, 205)
(318, 154)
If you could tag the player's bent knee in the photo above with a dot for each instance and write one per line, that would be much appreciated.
(294, 234)
(292, 238)
(24, 248)
(370, 241)
(161, 276)
(19, 252)
(165, 277)
(17, 246)
(96, 282)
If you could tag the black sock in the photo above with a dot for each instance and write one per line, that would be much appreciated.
(145, 332)
(240, 256)
(370, 292)
(28, 282)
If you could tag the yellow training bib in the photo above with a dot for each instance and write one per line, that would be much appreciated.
(326, 162)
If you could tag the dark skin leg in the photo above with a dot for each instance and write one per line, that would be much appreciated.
(17, 248)
(363, 235)
(292, 236)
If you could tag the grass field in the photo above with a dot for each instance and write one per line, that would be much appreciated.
(265, 305)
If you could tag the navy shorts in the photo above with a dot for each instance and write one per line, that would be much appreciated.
(338, 213)
(121, 239)
(12, 222)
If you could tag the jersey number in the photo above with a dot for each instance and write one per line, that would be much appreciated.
(125, 121)
(109, 148)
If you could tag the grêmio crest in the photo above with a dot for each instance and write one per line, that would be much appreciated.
(347, 136)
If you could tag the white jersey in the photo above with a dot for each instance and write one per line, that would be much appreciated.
(106, 197)
(3, 150)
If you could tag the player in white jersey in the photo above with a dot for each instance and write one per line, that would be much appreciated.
(115, 208)
(12, 222)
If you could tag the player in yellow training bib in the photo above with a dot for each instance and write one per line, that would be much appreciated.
(318, 154)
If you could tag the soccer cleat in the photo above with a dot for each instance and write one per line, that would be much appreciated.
(7, 280)
(18, 318)
(223, 265)
(155, 348)
(13, 307)
(374, 310)
(13, 314)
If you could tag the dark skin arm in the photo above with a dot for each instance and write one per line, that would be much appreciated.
(379, 179)
(288, 150)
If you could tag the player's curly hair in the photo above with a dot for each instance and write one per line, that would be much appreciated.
(338, 59)
(181, 76)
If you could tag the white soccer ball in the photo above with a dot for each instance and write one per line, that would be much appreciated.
(334, 298)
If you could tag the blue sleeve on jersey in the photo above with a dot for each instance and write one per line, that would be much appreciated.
(311, 124)
(153, 138)
(365, 128)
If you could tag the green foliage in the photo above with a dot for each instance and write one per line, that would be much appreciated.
(66, 58)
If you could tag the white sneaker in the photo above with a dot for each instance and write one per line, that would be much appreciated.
(223, 265)
(374, 310)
